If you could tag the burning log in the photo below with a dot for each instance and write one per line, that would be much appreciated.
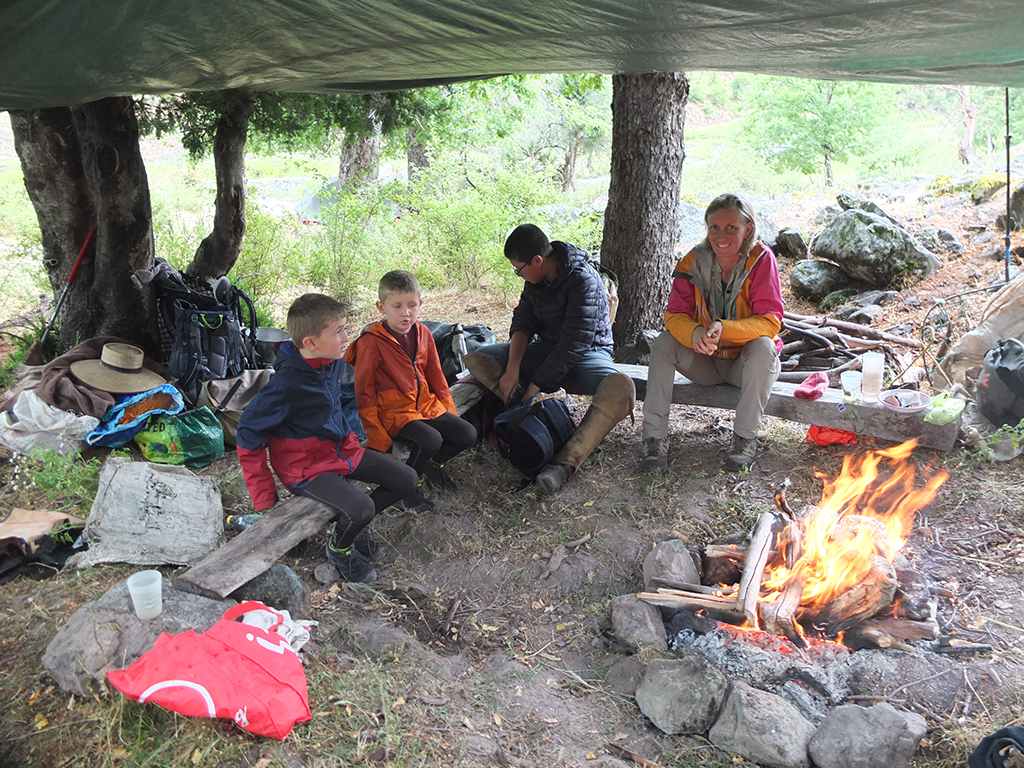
(862, 601)
(888, 632)
(723, 563)
(780, 616)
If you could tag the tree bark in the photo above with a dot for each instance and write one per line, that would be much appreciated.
(219, 250)
(83, 168)
(416, 155)
(968, 119)
(358, 165)
(568, 172)
(641, 220)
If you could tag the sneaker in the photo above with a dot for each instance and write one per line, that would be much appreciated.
(417, 502)
(368, 547)
(553, 476)
(351, 565)
(436, 476)
(655, 453)
(741, 453)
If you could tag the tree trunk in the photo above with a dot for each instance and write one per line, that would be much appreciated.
(641, 220)
(358, 165)
(416, 155)
(569, 166)
(968, 118)
(828, 168)
(83, 168)
(219, 250)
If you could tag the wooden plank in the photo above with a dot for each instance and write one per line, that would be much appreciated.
(255, 549)
(827, 411)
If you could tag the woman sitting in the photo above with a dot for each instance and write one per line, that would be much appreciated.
(722, 321)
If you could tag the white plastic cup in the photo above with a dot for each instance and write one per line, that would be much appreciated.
(147, 591)
(871, 384)
(851, 381)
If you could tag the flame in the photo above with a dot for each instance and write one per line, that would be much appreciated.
(862, 514)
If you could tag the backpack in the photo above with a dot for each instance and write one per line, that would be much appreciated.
(202, 335)
(611, 287)
(447, 338)
(228, 398)
(1000, 390)
(531, 434)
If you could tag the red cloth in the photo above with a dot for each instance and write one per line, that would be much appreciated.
(830, 436)
(232, 670)
(813, 386)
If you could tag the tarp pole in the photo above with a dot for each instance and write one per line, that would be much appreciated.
(1009, 222)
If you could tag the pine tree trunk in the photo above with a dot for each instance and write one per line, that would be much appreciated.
(416, 155)
(641, 220)
(219, 250)
(358, 165)
(968, 120)
(83, 168)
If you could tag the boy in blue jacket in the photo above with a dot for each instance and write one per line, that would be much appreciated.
(298, 417)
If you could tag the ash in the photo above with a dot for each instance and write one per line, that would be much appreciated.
(813, 679)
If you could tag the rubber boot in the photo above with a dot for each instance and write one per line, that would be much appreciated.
(613, 401)
(487, 370)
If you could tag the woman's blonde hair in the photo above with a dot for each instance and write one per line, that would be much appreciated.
(731, 201)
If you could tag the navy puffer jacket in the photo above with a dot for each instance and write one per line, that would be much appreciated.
(570, 313)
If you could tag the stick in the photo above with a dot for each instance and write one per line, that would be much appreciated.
(753, 569)
(861, 330)
(623, 752)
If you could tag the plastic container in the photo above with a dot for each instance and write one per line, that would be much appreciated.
(242, 522)
(851, 381)
(147, 591)
(871, 384)
(905, 401)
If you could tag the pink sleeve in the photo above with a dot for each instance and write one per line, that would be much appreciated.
(765, 287)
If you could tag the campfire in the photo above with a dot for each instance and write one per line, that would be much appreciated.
(830, 571)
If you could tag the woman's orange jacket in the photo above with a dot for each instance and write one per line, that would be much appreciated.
(392, 389)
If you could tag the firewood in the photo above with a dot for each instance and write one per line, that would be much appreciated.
(721, 608)
(779, 617)
(887, 632)
(753, 570)
(862, 601)
(852, 328)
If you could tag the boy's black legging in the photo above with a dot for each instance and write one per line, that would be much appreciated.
(355, 509)
(439, 439)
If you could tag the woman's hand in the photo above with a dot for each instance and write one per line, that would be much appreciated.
(705, 340)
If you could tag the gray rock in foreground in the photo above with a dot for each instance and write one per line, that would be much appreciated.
(762, 727)
(106, 634)
(866, 737)
(682, 695)
(637, 624)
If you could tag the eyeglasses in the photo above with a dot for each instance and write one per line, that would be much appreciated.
(519, 270)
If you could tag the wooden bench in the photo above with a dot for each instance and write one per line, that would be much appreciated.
(827, 411)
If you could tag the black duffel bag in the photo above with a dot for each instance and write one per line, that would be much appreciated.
(530, 435)
(1001, 383)
(446, 339)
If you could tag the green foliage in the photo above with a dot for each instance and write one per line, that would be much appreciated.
(805, 125)
(271, 258)
(65, 481)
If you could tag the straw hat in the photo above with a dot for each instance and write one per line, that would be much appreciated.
(118, 371)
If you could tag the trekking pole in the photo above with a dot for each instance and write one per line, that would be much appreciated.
(67, 287)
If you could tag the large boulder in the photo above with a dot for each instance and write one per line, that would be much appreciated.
(813, 280)
(872, 249)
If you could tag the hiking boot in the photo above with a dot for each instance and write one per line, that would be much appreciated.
(436, 476)
(417, 502)
(655, 454)
(553, 476)
(351, 565)
(368, 547)
(741, 453)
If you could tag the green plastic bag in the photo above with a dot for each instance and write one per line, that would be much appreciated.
(193, 438)
(945, 408)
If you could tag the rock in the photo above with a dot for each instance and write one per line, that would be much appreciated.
(637, 624)
(870, 248)
(106, 634)
(993, 252)
(865, 737)
(812, 279)
(692, 228)
(982, 238)
(836, 298)
(671, 561)
(763, 728)
(861, 315)
(279, 587)
(790, 245)
(826, 215)
(873, 297)
(325, 574)
(682, 695)
(951, 241)
(152, 514)
(624, 675)
(849, 202)
(374, 638)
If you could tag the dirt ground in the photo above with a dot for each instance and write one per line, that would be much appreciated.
(476, 647)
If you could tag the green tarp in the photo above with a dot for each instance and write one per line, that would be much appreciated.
(63, 52)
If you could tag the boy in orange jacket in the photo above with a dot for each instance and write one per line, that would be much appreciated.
(401, 391)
